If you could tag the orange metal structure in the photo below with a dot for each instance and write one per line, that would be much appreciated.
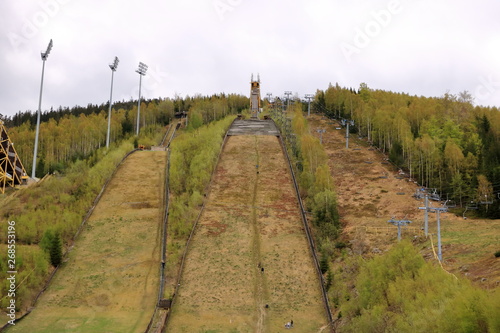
(12, 171)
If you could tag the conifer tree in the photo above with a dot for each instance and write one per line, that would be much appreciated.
(56, 250)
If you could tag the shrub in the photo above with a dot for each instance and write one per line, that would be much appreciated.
(340, 245)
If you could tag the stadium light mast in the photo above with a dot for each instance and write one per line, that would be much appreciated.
(142, 71)
(113, 67)
(44, 55)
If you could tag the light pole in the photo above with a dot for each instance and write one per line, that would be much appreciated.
(44, 55)
(309, 97)
(113, 67)
(142, 71)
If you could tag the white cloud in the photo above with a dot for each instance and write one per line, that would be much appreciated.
(426, 48)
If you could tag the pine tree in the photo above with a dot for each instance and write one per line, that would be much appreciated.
(56, 250)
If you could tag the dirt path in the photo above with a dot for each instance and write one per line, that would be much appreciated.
(260, 277)
(110, 281)
(249, 250)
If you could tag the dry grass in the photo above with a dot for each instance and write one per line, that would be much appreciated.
(110, 281)
(251, 220)
(368, 200)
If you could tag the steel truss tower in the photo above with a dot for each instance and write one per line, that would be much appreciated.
(12, 171)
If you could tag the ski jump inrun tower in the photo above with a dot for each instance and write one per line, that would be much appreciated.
(255, 96)
(12, 171)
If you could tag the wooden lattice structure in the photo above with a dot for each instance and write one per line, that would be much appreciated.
(12, 171)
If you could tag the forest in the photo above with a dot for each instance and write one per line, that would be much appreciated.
(446, 144)
(67, 135)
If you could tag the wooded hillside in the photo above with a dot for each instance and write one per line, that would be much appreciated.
(444, 143)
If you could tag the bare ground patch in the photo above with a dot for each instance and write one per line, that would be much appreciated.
(370, 192)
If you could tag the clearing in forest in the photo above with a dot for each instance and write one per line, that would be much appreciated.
(249, 268)
(370, 191)
(110, 280)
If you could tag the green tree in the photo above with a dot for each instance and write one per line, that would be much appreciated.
(46, 241)
(326, 217)
(459, 187)
(453, 156)
(195, 120)
(323, 263)
(56, 250)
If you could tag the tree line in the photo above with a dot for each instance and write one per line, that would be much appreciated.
(70, 134)
(47, 215)
(444, 143)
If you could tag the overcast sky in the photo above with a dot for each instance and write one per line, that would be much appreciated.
(421, 47)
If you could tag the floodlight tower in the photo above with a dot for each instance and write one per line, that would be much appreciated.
(309, 97)
(399, 223)
(44, 55)
(113, 67)
(142, 71)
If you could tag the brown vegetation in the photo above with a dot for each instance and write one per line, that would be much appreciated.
(109, 281)
(371, 191)
(249, 250)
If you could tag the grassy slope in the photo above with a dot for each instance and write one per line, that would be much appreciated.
(109, 283)
(249, 219)
(366, 199)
